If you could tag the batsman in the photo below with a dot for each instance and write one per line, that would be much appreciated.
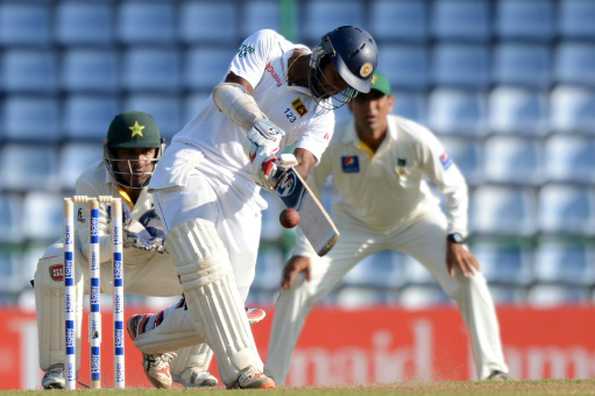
(131, 151)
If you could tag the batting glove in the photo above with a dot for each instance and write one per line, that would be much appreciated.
(273, 168)
(137, 236)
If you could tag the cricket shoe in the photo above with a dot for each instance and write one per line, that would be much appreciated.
(157, 367)
(251, 378)
(54, 377)
(255, 315)
(193, 377)
(497, 375)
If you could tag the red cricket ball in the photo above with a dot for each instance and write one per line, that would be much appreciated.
(289, 218)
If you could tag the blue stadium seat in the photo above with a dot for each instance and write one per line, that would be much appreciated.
(152, 69)
(576, 19)
(323, 16)
(527, 65)
(84, 23)
(269, 265)
(566, 209)
(510, 159)
(91, 70)
(504, 263)
(518, 111)
(575, 63)
(570, 159)
(544, 296)
(458, 112)
(358, 298)
(31, 118)
(165, 109)
(260, 15)
(508, 295)
(405, 20)
(147, 22)
(194, 103)
(527, 19)
(43, 216)
(503, 211)
(419, 297)
(415, 273)
(11, 218)
(206, 67)
(461, 19)
(76, 158)
(207, 21)
(271, 228)
(22, 23)
(412, 105)
(25, 167)
(405, 66)
(468, 156)
(11, 271)
(88, 116)
(382, 269)
(29, 71)
(573, 109)
(459, 65)
(558, 261)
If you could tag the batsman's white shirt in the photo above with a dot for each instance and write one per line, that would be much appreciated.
(384, 203)
(208, 161)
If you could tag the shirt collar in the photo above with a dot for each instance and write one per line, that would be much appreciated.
(350, 136)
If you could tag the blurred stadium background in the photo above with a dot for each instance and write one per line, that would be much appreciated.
(508, 86)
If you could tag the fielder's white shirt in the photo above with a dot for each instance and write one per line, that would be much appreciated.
(95, 181)
(262, 60)
(389, 189)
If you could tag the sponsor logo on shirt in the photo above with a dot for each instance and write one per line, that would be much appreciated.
(245, 50)
(350, 163)
(57, 272)
(445, 160)
(299, 107)
(269, 68)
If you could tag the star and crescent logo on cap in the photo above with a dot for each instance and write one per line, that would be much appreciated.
(137, 129)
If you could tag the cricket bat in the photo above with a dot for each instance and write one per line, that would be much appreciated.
(316, 224)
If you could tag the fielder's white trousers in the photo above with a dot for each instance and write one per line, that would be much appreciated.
(424, 240)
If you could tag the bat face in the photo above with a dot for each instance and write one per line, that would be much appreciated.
(315, 222)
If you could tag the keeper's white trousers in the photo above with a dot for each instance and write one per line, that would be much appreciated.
(425, 241)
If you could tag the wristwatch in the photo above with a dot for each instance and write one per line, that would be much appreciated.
(455, 237)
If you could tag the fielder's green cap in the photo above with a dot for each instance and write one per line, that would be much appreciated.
(133, 129)
(381, 84)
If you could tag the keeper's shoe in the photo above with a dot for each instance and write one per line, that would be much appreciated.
(251, 378)
(54, 377)
(193, 377)
(157, 367)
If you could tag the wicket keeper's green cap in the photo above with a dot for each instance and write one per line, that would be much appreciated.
(133, 129)
(380, 84)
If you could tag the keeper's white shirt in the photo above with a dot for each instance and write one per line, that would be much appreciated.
(262, 60)
(389, 189)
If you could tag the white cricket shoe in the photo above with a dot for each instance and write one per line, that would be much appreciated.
(251, 378)
(54, 377)
(193, 377)
(157, 367)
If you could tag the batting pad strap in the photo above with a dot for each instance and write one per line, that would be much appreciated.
(237, 104)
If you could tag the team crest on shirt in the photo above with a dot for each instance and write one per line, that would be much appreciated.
(245, 50)
(350, 164)
(401, 167)
(445, 160)
(80, 215)
(299, 107)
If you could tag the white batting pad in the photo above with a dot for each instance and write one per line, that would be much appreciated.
(212, 296)
(198, 356)
(49, 304)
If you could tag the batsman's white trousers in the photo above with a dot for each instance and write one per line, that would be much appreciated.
(424, 240)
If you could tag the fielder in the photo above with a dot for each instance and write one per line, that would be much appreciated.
(275, 94)
(132, 149)
(380, 165)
